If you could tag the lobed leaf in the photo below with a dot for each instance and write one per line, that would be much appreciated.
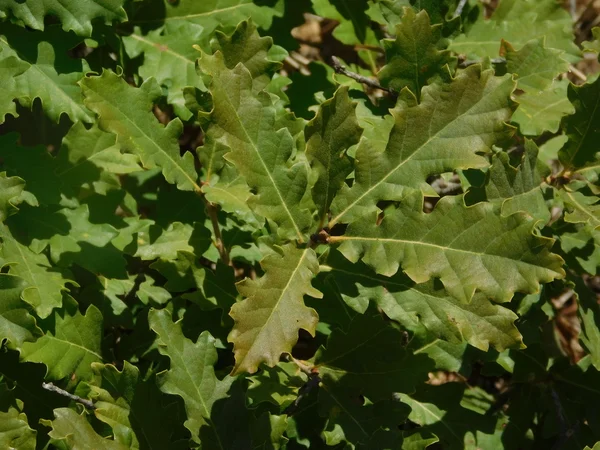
(448, 130)
(267, 321)
(76, 15)
(45, 284)
(75, 431)
(467, 248)
(15, 431)
(329, 135)
(169, 57)
(580, 151)
(261, 150)
(45, 71)
(370, 357)
(16, 324)
(126, 112)
(192, 377)
(519, 21)
(415, 55)
(70, 345)
(480, 323)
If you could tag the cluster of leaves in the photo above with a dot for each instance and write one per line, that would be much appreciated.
(200, 266)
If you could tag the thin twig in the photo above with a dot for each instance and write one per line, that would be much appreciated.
(459, 8)
(51, 387)
(341, 69)
(211, 209)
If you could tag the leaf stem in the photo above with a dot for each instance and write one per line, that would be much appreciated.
(211, 209)
(51, 387)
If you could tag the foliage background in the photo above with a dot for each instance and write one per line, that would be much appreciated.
(211, 239)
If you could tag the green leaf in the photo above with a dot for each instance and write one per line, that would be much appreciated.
(47, 72)
(328, 137)
(277, 385)
(212, 289)
(206, 15)
(584, 245)
(76, 15)
(467, 248)
(12, 193)
(515, 189)
(192, 377)
(580, 151)
(257, 54)
(126, 111)
(15, 432)
(362, 359)
(45, 284)
(519, 21)
(439, 410)
(261, 152)
(353, 420)
(267, 321)
(178, 237)
(87, 156)
(170, 58)
(390, 12)
(69, 234)
(267, 432)
(70, 344)
(132, 407)
(353, 25)
(446, 131)
(580, 208)
(534, 65)
(414, 56)
(148, 292)
(9, 68)
(536, 68)
(480, 323)
(16, 324)
(77, 433)
(35, 166)
(543, 110)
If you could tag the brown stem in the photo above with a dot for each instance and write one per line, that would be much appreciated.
(51, 387)
(342, 70)
(212, 213)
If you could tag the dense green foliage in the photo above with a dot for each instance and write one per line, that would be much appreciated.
(208, 248)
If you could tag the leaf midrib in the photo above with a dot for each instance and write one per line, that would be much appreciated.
(336, 219)
(276, 306)
(334, 239)
(429, 296)
(125, 118)
(583, 209)
(264, 165)
(40, 71)
(193, 16)
(167, 49)
(183, 364)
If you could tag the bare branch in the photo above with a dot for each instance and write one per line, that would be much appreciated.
(51, 387)
(342, 70)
